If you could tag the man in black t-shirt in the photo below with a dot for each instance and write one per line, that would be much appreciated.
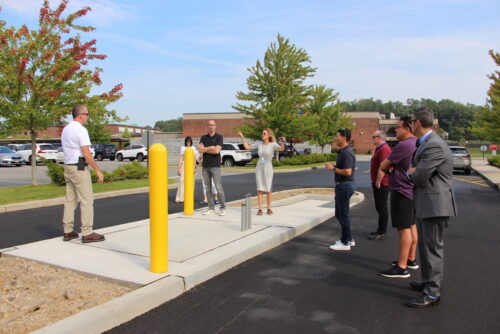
(344, 187)
(210, 146)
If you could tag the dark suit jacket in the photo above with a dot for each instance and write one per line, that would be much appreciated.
(433, 194)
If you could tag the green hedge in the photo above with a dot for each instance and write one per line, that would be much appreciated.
(305, 159)
(494, 160)
(132, 170)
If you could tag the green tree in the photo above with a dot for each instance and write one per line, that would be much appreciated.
(171, 125)
(487, 121)
(126, 134)
(326, 115)
(276, 92)
(45, 72)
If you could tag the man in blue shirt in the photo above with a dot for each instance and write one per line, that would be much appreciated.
(344, 187)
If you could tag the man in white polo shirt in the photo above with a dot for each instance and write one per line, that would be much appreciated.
(76, 146)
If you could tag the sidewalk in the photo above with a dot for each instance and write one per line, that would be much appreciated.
(200, 248)
(489, 172)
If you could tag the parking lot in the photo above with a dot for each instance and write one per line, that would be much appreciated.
(21, 176)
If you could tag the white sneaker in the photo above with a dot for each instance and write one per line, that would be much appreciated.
(340, 247)
(209, 212)
(352, 243)
(222, 212)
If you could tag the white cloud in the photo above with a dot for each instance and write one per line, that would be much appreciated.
(104, 12)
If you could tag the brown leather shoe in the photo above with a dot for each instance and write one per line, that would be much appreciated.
(70, 236)
(259, 213)
(94, 237)
(269, 211)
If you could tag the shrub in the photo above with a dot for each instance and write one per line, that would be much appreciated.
(494, 160)
(56, 172)
(133, 170)
(307, 159)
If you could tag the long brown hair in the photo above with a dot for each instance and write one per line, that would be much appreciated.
(270, 133)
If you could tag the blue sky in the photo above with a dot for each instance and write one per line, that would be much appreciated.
(177, 57)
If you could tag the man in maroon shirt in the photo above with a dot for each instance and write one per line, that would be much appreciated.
(380, 184)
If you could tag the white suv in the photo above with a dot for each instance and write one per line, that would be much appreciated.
(132, 152)
(44, 150)
(232, 155)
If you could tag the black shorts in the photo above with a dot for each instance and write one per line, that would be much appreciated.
(402, 211)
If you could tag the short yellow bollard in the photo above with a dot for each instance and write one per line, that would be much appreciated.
(189, 181)
(158, 208)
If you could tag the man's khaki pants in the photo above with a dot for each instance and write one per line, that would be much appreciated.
(78, 189)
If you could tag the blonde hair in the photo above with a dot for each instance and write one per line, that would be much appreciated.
(270, 133)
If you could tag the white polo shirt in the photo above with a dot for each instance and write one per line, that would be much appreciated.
(73, 137)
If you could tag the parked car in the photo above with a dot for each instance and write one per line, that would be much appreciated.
(104, 151)
(14, 147)
(9, 157)
(60, 154)
(132, 152)
(461, 159)
(254, 152)
(291, 150)
(231, 155)
(44, 150)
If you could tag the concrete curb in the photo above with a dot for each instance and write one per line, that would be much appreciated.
(488, 180)
(60, 200)
(125, 308)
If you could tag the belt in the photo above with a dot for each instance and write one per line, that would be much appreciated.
(340, 182)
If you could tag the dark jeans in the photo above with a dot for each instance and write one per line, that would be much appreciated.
(381, 195)
(343, 193)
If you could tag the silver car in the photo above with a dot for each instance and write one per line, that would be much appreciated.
(461, 159)
(9, 157)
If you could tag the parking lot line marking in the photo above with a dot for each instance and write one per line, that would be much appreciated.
(476, 182)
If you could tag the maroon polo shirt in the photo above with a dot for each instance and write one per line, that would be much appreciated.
(382, 152)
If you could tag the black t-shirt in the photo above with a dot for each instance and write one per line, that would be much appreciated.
(345, 160)
(209, 159)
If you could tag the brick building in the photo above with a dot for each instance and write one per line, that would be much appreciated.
(364, 122)
(117, 131)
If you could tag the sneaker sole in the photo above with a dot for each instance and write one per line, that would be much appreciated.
(395, 276)
(339, 249)
(408, 266)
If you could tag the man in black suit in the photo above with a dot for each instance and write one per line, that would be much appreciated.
(434, 204)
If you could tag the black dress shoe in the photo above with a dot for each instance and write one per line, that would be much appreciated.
(376, 236)
(417, 286)
(424, 301)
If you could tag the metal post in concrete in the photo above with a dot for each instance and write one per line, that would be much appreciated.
(243, 216)
(189, 181)
(248, 202)
(158, 208)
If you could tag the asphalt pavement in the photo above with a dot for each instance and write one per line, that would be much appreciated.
(303, 287)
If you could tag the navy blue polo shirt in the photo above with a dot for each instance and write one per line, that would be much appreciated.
(345, 160)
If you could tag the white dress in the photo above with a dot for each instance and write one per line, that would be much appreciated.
(264, 169)
(179, 196)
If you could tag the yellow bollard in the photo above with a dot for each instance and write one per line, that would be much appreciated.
(158, 208)
(189, 181)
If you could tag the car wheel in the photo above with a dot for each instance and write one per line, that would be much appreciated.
(282, 157)
(100, 157)
(228, 162)
(112, 159)
(119, 157)
(467, 171)
(18, 165)
(29, 160)
(140, 157)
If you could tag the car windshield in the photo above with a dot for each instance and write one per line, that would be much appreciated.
(48, 147)
(4, 149)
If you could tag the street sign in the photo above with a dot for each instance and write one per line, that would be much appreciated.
(493, 147)
(484, 148)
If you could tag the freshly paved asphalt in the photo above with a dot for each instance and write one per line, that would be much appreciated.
(302, 286)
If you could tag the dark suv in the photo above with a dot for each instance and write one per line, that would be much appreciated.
(104, 151)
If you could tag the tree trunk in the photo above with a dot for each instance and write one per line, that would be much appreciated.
(33, 159)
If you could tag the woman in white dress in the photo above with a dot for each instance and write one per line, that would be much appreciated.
(188, 142)
(264, 169)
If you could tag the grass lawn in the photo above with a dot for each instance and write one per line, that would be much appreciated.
(45, 191)
(477, 153)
